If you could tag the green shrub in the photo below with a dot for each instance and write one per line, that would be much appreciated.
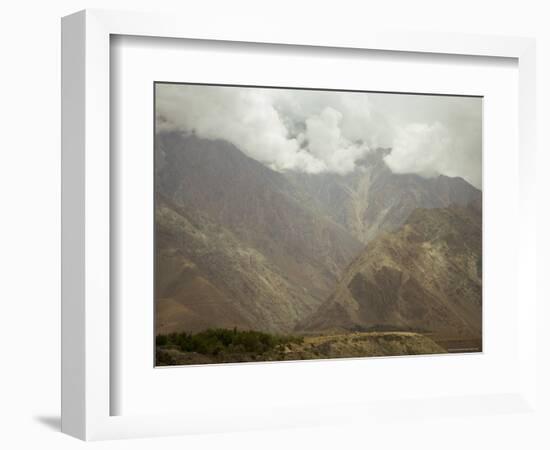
(216, 341)
(161, 340)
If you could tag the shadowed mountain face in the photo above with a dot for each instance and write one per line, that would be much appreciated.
(426, 276)
(273, 257)
(374, 199)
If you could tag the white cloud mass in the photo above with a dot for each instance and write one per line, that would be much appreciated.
(327, 131)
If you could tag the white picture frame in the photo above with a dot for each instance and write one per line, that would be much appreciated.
(86, 216)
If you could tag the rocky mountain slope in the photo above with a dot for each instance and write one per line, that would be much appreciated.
(374, 199)
(206, 277)
(425, 276)
(240, 245)
(232, 232)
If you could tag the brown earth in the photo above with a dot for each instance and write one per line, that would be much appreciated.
(206, 277)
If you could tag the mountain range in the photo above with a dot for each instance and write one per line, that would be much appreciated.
(241, 245)
(373, 198)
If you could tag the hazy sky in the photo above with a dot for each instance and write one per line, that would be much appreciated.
(320, 131)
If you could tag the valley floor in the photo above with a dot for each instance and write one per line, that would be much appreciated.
(350, 345)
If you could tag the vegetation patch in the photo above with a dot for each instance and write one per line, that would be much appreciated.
(223, 344)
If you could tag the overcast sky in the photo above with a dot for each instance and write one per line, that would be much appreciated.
(320, 131)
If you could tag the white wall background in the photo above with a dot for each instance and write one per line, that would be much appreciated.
(29, 225)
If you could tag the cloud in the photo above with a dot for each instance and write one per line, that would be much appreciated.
(244, 117)
(420, 148)
(430, 150)
(436, 135)
(326, 142)
(327, 131)
(359, 120)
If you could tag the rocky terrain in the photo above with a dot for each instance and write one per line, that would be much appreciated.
(207, 277)
(330, 257)
(373, 198)
(237, 244)
(424, 276)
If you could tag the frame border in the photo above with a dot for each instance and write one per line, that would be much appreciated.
(85, 192)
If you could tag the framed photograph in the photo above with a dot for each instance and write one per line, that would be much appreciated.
(266, 228)
(299, 224)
